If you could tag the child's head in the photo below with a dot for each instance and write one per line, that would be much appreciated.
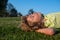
(31, 22)
(34, 18)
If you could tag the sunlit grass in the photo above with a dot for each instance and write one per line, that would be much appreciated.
(9, 31)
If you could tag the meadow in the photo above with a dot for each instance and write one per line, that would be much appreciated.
(9, 31)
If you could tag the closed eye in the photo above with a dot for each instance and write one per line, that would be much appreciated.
(31, 16)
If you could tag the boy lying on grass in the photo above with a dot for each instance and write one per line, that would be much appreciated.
(39, 23)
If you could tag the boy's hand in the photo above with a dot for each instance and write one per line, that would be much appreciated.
(47, 31)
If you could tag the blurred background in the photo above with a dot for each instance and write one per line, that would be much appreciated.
(14, 8)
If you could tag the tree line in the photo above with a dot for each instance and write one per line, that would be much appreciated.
(8, 10)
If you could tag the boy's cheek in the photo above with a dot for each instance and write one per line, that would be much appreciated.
(29, 19)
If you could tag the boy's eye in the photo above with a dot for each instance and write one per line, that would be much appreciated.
(31, 16)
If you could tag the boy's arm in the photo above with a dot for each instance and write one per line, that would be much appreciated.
(47, 31)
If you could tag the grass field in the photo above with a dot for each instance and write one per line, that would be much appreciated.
(9, 31)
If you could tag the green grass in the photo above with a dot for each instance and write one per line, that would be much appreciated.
(9, 31)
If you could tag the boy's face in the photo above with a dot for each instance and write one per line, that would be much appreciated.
(34, 18)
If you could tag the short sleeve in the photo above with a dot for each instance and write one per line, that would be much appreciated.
(49, 21)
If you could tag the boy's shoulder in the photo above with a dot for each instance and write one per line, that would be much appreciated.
(49, 22)
(52, 19)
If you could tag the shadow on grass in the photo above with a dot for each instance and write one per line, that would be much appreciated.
(57, 31)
